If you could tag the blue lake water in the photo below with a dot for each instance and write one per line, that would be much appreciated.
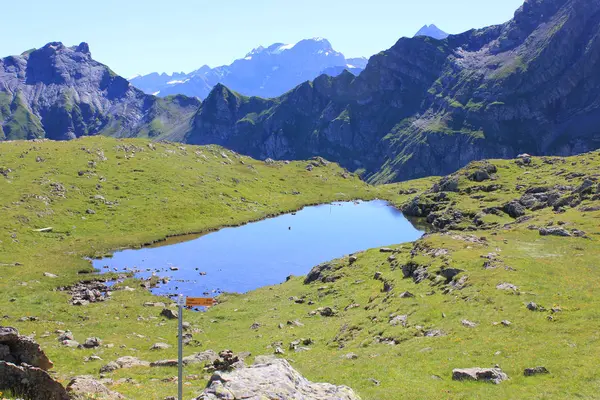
(264, 253)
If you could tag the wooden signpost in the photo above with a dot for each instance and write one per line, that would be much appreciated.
(187, 302)
(199, 301)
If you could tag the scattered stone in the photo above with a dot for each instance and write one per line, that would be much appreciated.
(554, 231)
(406, 295)
(434, 333)
(326, 311)
(255, 326)
(67, 335)
(468, 324)
(159, 304)
(169, 314)
(460, 283)
(507, 286)
(535, 371)
(86, 292)
(515, 209)
(92, 343)
(50, 275)
(85, 387)
(491, 375)
(160, 346)
(532, 306)
(110, 367)
(352, 259)
(351, 356)
(227, 361)
(399, 320)
(71, 343)
(322, 273)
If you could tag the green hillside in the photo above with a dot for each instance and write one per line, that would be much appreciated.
(100, 194)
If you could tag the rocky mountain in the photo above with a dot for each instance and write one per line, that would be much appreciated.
(428, 107)
(60, 93)
(263, 72)
(423, 107)
(432, 31)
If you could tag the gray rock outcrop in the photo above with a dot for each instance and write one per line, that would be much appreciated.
(491, 375)
(23, 368)
(86, 387)
(271, 378)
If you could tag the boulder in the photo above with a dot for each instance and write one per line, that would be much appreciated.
(480, 175)
(86, 387)
(322, 273)
(507, 286)
(554, 231)
(169, 314)
(535, 371)
(23, 367)
(468, 324)
(204, 357)
(270, 378)
(399, 320)
(110, 367)
(514, 208)
(491, 375)
(30, 382)
(160, 346)
(131, 362)
(22, 350)
(92, 343)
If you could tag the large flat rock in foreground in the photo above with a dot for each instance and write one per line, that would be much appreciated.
(271, 378)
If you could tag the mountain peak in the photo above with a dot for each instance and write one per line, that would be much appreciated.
(432, 31)
(83, 48)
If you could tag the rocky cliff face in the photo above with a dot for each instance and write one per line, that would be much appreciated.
(430, 106)
(60, 93)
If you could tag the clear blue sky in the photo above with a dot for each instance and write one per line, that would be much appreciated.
(141, 36)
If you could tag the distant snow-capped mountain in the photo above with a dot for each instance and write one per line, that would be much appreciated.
(432, 31)
(264, 72)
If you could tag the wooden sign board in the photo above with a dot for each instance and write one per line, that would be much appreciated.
(199, 301)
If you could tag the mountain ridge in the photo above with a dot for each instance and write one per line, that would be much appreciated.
(263, 71)
(422, 107)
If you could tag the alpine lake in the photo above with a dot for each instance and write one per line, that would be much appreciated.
(244, 258)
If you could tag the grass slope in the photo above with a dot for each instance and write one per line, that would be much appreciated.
(172, 189)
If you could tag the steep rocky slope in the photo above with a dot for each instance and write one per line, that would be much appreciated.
(60, 93)
(427, 106)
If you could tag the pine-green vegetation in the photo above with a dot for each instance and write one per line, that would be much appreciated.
(100, 194)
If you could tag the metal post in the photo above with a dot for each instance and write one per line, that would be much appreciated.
(180, 348)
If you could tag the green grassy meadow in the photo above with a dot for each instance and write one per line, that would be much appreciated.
(101, 194)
